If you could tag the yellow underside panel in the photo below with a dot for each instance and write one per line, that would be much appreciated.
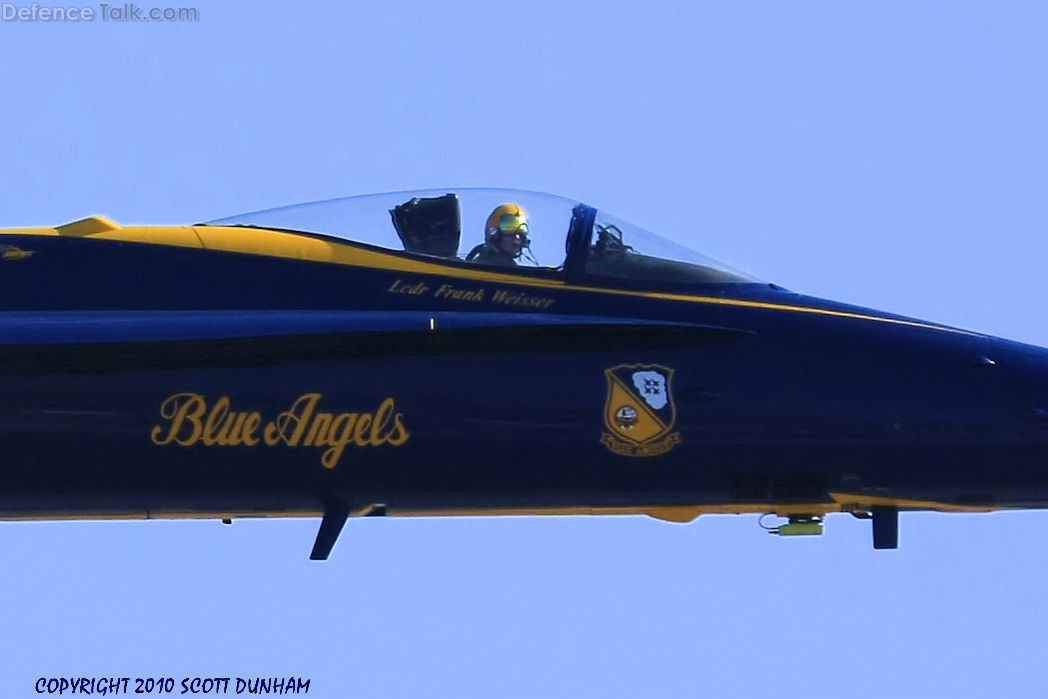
(686, 513)
(159, 514)
(842, 502)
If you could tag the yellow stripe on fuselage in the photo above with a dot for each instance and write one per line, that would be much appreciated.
(671, 513)
(295, 246)
(687, 513)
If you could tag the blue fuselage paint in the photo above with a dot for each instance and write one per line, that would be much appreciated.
(143, 378)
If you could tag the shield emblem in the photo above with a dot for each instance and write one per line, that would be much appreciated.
(640, 412)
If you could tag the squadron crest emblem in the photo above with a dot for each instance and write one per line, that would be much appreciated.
(640, 412)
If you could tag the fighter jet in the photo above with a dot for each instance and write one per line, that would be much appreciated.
(480, 352)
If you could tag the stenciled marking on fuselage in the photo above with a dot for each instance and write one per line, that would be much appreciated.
(478, 294)
(192, 420)
(10, 252)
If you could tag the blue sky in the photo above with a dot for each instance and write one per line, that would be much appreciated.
(890, 155)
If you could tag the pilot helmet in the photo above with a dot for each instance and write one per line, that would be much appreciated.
(508, 220)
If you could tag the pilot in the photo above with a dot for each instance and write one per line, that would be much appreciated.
(505, 237)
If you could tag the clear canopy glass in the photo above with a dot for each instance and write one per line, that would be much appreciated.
(451, 223)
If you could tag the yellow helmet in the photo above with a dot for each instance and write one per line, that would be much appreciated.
(508, 219)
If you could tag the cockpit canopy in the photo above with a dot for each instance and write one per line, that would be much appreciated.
(563, 235)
